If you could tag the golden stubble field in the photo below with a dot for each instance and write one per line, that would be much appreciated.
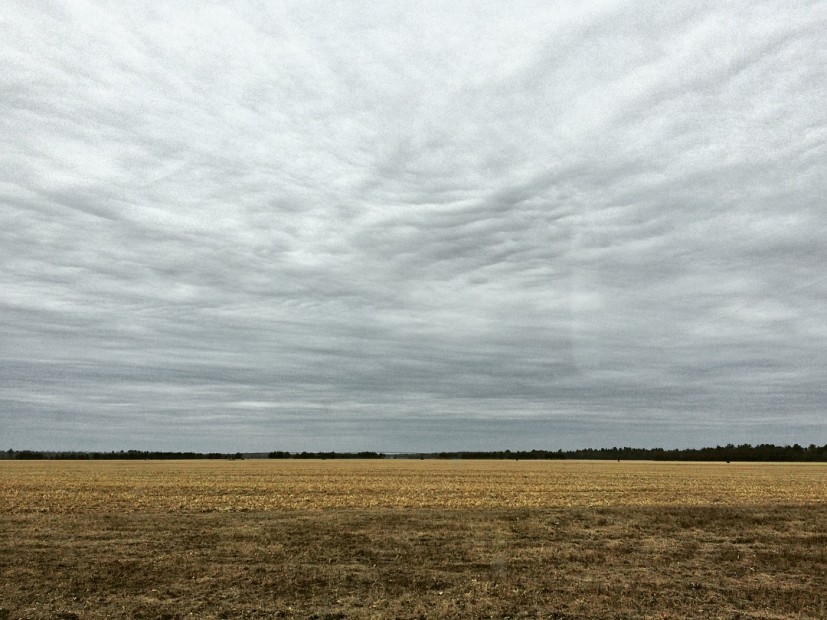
(412, 539)
(262, 485)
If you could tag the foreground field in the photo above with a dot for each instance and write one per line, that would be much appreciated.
(412, 539)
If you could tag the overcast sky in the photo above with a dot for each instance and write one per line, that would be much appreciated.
(412, 226)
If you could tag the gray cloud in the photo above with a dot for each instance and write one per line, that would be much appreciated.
(460, 226)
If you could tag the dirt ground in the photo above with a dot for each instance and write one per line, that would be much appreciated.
(716, 561)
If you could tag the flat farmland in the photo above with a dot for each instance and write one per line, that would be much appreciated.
(412, 539)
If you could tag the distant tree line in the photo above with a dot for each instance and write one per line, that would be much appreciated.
(730, 452)
(22, 455)
(325, 455)
(136, 455)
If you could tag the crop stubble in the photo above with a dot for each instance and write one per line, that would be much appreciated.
(411, 539)
(256, 485)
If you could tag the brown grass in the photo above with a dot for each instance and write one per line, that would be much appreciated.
(410, 539)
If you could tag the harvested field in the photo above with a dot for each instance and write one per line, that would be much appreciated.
(411, 539)
(203, 486)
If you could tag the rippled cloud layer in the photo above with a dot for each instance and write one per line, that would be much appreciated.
(461, 225)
